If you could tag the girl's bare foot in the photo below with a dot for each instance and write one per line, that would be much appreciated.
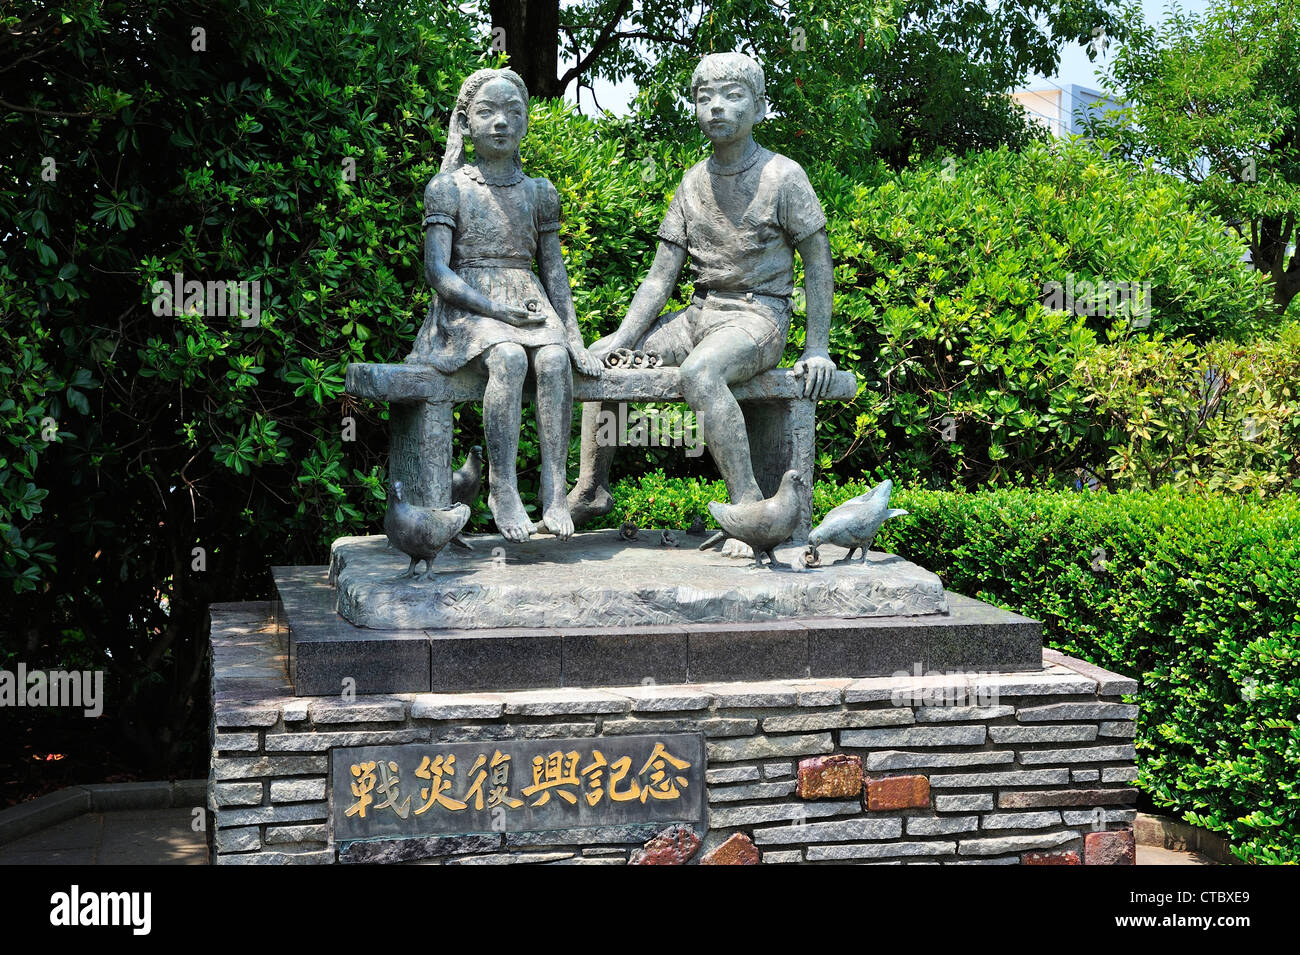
(511, 518)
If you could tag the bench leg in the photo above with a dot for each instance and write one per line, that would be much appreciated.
(781, 438)
(419, 451)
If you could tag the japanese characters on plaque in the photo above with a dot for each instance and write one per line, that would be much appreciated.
(416, 789)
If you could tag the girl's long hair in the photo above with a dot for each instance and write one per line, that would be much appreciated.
(454, 157)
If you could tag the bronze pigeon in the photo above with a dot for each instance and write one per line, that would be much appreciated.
(760, 524)
(421, 532)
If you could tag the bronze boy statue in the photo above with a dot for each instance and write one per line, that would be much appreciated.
(739, 215)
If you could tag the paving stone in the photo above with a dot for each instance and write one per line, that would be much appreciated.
(321, 742)
(711, 727)
(897, 792)
(891, 759)
(1081, 733)
(1108, 683)
(821, 693)
(1027, 777)
(956, 714)
(844, 719)
(1098, 816)
(735, 817)
(301, 812)
(286, 835)
(882, 850)
(1022, 820)
(1120, 730)
(238, 840)
(1109, 848)
(495, 732)
(1000, 844)
(236, 794)
(236, 743)
(228, 715)
(830, 777)
(1064, 712)
(564, 702)
(297, 790)
(1080, 754)
(662, 699)
(731, 774)
(295, 711)
(1066, 797)
(225, 769)
(846, 830)
(369, 711)
(1119, 774)
(941, 825)
(767, 747)
(778, 770)
(783, 857)
(965, 802)
(736, 695)
(317, 857)
(754, 791)
(456, 706)
(737, 850)
(1084, 775)
(910, 736)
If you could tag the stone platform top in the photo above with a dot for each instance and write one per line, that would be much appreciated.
(412, 382)
(597, 579)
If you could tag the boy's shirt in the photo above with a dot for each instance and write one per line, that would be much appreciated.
(740, 226)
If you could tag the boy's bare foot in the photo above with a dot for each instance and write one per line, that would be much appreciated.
(508, 511)
(587, 504)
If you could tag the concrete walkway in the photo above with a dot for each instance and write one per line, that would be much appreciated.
(165, 837)
(129, 837)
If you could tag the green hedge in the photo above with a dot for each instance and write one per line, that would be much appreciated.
(1198, 597)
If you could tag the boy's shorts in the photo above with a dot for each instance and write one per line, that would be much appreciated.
(764, 318)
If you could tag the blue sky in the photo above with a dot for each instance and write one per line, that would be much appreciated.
(1075, 66)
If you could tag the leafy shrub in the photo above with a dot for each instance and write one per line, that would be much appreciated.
(1196, 596)
(941, 274)
(1221, 417)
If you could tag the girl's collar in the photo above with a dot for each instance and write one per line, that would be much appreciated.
(515, 177)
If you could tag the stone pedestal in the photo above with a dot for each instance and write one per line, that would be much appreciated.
(915, 767)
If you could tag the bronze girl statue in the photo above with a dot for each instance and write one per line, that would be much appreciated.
(485, 225)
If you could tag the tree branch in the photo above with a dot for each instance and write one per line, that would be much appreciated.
(606, 37)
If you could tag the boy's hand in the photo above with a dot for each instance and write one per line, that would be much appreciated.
(817, 370)
(519, 317)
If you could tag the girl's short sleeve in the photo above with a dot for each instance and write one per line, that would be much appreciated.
(441, 201)
(547, 206)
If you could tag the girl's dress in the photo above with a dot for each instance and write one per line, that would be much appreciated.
(495, 231)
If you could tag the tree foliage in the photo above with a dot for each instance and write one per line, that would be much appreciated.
(1215, 100)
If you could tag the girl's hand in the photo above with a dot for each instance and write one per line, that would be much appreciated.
(586, 363)
(514, 315)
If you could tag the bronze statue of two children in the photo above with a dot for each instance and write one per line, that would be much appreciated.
(738, 217)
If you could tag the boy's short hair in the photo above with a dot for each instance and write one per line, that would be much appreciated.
(733, 66)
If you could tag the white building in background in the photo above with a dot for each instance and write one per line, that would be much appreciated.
(1062, 109)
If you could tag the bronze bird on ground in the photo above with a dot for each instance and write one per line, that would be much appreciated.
(855, 523)
(760, 524)
(421, 532)
(465, 486)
